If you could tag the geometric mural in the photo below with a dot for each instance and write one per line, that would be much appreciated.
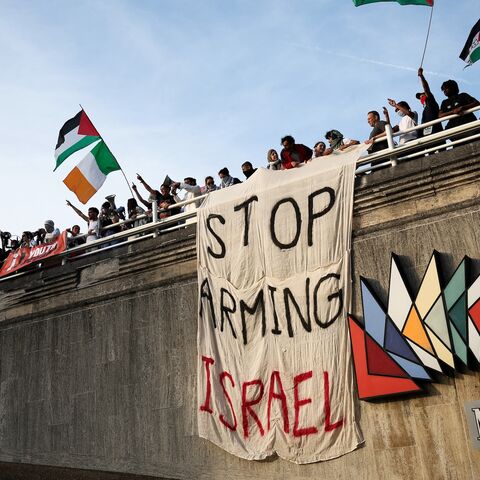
(400, 347)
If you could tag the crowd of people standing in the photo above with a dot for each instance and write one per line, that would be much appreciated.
(111, 219)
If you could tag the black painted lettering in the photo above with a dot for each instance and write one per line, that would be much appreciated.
(338, 294)
(221, 243)
(227, 310)
(298, 221)
(289, 299)
(205, 292)
(259, 301)
(246, 205)
(275, 330)
(312, 216)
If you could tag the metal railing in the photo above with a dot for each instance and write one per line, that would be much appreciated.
(414, 148)
(389, 156)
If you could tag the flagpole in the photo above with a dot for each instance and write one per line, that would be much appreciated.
(428, 34)
(121, 169)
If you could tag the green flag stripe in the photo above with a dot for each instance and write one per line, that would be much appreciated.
(428, 3)
(74, 148)
(105, 160)
(474, 55)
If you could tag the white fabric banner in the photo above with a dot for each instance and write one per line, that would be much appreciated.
(274, 369)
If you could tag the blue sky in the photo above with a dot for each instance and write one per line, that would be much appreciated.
(184, 88)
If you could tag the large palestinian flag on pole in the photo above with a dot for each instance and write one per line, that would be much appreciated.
(88, 176)
(471, 50)
(427, 3)
(77, 133)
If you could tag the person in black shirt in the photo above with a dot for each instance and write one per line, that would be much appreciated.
(430, 107)
(456, 103)
(160, 197)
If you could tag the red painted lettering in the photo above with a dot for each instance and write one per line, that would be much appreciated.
(275, 378)
(248, 404)
(329, 426)
(300, 432)
(206, 405)
(224, 375)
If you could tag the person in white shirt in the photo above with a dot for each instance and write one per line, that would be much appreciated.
(52, 232)
(91, 219)
(409, 119)
(192, 190)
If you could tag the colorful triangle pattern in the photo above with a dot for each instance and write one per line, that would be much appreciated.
(397, 346)
(369, 385)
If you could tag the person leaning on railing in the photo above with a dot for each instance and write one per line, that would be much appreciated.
(378, 131)
(457, 103)
(337, 142)
(75, 238)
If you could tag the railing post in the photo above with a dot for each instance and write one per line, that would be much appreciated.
(154, 215)
(391, 144)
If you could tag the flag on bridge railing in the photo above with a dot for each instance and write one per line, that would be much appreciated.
(76, 133)
(88, 176)
(471, 50)
(427, 3)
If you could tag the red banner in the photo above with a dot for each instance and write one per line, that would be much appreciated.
(23, 256)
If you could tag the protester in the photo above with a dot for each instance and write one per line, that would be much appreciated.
(337, 142)
(134, 211)
(192, 190)
(92, 221)
(226, 179)
(162, 196)
(274, 162)
(209, 185)
(148, 204)
(27, 239)
(318, 150)
(75, 238)
(378, 131)
(248, 170)
(408, 120)
(155, 195)
(108, 218)
(456, 103)
(431, 109)
(52, 233)
(293, 154)
(39, 236)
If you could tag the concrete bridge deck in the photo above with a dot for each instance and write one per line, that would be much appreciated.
(98, 357)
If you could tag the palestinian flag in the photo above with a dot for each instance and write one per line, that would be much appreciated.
(88, 176)
(77, 133)
(471, 50)
(427, 3)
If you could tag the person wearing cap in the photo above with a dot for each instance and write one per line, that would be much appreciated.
(52, 232)
(430, 107)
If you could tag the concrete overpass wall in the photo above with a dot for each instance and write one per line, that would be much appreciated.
(98, 357)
